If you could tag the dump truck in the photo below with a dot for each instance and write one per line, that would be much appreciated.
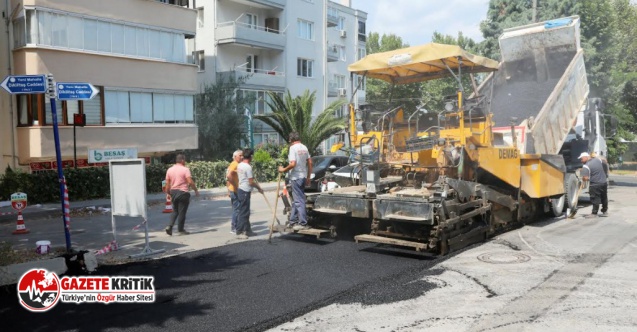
(440, 188)
(541, 87)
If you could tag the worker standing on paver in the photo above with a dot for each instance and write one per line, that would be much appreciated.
(596, 171)
(178, 182)
(300, 167)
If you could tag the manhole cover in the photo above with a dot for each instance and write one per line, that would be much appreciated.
(504, 258)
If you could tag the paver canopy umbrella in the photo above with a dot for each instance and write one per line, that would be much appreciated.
(421, 63)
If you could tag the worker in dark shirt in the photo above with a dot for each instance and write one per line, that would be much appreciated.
(596, 171)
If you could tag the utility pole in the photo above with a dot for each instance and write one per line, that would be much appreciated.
(534, 18)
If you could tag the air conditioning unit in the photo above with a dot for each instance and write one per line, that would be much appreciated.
(342, 92)
(343, 33)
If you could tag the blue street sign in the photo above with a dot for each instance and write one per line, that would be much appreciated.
(75, 91)
(21, 84)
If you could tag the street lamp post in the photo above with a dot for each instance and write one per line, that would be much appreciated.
(250, 129)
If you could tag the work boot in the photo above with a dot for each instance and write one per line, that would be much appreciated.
(300, 227)
(169, 230)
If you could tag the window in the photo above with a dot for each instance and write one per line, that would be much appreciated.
(146, 107)
(340, 81)
(104, 36)
(266, 138)
(361, 31)
(341, 112)
(258, 101)
(35, 110)
(200, 17)
(141, 105)
(360, 81)
(304, 68)
(19, 32)
(72, 31)
(252, 21)
(72, 107)
(116, 107)
(48, 112)
(342, 53)
(341, 23)
(361, 53)
(305, 29)
(252, 63)
(58, 30)
(200, 59)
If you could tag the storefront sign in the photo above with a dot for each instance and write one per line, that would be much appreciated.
(104, 155)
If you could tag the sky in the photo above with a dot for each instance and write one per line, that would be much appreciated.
(416, 20)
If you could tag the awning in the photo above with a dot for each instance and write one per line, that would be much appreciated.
(420, 63)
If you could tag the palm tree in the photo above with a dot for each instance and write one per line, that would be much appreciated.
(295, 114)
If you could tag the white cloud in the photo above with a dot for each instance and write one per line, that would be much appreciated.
(416, 20)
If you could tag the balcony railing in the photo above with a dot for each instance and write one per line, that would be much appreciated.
(262, 78)
(332, 17)
(250, 35)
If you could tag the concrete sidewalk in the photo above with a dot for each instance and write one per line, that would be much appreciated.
(48, 210)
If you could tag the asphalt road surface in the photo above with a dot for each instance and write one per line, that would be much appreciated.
(557, 274)
(245, 286)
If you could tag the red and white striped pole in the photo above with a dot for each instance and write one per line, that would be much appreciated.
(67, 207)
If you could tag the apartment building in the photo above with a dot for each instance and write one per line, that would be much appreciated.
(283, 45)
(133, 51)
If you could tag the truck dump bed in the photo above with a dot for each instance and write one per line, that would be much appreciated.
(541, 82)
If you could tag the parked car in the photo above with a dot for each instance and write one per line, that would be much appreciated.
(320, 165)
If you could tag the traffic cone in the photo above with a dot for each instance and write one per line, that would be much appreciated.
(20, 228)
(169, 205)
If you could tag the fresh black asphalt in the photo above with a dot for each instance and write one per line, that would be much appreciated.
(247, 286)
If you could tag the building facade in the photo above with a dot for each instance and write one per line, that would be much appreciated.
(133, 51)
(282, 45)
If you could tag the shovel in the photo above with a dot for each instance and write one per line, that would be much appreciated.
(573, 212)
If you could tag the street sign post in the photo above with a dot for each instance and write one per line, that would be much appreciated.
(75, 91)
(33, 84)
(24, 84)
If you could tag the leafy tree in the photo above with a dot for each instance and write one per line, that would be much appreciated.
(502, 14)
(295, 114)
(434, 91)
(220, 125)
(383, 95)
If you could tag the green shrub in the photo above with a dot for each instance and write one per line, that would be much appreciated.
(261, 156)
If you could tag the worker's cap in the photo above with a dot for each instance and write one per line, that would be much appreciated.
(584, 154)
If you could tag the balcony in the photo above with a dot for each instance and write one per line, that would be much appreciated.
(332, 53)
(259, 78)
(332, 17)
(249, 35)
(37, 143)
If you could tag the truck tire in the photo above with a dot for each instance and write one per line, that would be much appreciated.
(571, 186)
(557, 206)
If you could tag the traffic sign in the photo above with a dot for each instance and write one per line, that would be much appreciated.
(75, 91)
(24, 84)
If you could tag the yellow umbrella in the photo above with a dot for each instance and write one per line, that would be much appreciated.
(420, 63)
